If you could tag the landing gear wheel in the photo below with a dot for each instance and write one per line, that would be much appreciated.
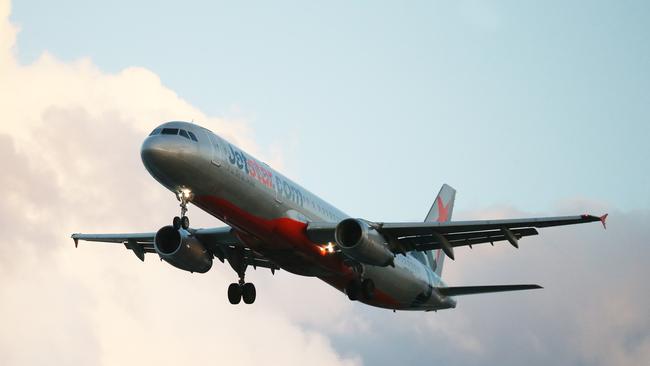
(353, 290)
(368, 289)
(185, 222)
(248, 293)
(185, 196)
(176, 223)
(234, 293)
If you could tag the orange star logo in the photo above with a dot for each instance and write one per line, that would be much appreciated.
(443, 211)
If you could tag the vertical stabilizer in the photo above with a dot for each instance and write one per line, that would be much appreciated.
(441, 212)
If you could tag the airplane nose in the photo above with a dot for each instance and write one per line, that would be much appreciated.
(154, 152)
(165, 156)
(169, 158)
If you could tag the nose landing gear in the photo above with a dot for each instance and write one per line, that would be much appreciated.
(184, 195)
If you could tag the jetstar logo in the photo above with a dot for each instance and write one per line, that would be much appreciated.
(250, 166)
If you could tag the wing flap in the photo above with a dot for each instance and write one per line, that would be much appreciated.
(429, 242)
(472, 290)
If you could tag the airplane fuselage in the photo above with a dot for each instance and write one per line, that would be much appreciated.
(269, 213)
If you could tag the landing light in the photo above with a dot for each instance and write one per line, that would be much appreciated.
(184, 193)
(327, 248)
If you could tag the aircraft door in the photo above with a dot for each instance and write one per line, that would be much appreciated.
(278, 191)
(216, 150)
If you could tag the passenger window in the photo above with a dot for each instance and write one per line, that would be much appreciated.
(192, 136)
(155, 132)
(184, 134)
(170, 131)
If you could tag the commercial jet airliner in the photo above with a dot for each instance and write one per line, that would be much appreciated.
(275, 223)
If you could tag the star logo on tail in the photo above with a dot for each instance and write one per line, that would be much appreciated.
(443, 211)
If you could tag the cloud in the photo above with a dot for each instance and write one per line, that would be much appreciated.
(69, 144)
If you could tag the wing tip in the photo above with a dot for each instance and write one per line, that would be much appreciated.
(603, 220)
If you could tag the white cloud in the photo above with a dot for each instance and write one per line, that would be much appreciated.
(69, 142)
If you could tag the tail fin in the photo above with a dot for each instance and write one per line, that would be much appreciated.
(441, 212)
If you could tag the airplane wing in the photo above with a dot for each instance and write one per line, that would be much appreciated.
(219, 241)
(422, 236)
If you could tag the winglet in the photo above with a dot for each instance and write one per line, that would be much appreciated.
(76, 240)
(603, 219)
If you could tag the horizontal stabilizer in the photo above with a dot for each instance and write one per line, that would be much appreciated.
(471, 290)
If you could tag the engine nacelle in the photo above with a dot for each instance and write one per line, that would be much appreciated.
(363, 243)
(181, 250)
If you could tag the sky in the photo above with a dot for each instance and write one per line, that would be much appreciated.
(527, 108)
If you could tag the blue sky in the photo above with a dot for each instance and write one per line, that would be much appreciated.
(527, 108)
(513, 103)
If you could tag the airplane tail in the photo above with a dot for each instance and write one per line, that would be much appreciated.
(441, 212)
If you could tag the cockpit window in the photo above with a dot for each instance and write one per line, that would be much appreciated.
(192, 136)
(170, 131)
(155, 132)
(184, 134)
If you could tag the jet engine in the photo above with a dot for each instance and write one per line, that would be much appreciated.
(181, 250)
(363, 243)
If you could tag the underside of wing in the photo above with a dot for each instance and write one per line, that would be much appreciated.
(429, 242)
(220, 241)
(447, 235)
(139, 243)
(422, 236)
(115, 238)
(419, 228)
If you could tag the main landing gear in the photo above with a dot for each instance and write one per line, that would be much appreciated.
(360, 290)
(241, 290)
(183, 221)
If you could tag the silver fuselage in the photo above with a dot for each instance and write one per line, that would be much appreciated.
(270, 212)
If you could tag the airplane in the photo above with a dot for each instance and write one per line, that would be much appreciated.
(274, 223)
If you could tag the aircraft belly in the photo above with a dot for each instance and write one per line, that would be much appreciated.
(279, 227)
(409, 284)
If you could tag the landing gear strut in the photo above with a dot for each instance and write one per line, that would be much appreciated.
(240, 290)
(184, 195)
